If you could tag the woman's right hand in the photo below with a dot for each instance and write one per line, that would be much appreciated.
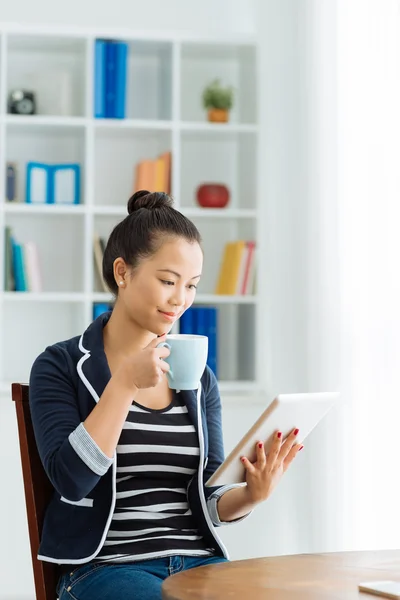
(145, 368)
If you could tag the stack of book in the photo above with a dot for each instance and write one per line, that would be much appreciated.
(154, 175)
(237, 272)
(203, 320)
(22, 271)
(110, 74)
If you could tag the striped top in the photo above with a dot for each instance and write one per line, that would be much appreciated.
(157, 455)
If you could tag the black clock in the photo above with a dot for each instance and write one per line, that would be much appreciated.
(21, 102)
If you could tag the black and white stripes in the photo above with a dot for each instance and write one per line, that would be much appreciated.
(157, 455)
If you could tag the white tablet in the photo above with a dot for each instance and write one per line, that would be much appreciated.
(285, 413)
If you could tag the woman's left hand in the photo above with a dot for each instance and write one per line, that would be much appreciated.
(264, 474)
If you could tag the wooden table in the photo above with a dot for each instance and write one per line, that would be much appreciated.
(298, 577)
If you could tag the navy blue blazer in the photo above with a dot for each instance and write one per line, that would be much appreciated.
(66, 381)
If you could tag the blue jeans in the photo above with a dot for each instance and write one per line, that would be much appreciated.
(140, 580)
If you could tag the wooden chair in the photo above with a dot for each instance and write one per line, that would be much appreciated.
(38, 491)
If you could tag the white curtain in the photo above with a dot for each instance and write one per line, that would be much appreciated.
(330, 121)
(369, 202)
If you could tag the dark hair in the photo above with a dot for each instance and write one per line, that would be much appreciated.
(151, 217)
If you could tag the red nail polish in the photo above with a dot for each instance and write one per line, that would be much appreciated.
(279, 434)
(243, 459)
(301, 448)
(296, 431)
(260, 445)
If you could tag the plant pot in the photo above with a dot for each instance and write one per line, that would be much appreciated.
(212, 195)
(218, 115)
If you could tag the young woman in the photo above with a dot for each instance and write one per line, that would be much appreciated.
(126, 455)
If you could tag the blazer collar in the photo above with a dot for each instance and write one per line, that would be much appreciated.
(93, 367)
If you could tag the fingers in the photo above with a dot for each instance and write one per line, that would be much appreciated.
(247, 465)
(164, 366)
(162, 352)
(288, 444)
(158, 340)
(275, 449)
(260, 453)
(291, 456)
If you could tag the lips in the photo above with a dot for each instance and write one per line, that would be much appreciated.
(168, 314)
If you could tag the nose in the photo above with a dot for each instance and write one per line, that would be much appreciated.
(178, 297)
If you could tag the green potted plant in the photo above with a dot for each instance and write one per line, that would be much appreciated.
(218, 101)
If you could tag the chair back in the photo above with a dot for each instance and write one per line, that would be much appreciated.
(38, 491)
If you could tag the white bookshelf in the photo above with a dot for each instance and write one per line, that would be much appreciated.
(166, 75)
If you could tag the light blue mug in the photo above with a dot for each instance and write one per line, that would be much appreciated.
(187, 360)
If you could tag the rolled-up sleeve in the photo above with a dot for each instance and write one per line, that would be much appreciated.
(215, 451)
(88, 450)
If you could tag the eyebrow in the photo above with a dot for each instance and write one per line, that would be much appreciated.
(175, 273)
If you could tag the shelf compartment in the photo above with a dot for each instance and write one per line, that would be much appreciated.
(60, 245)
(53, 67)
(233, 64)
(215, 234)
(235, 343)
(117, 153)
(149, 89)
(29, 328)
(149, 81)
(41, 143)
(224, 157)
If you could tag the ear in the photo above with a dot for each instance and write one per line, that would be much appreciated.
(120, 269)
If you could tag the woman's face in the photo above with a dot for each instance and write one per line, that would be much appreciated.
(163, 286)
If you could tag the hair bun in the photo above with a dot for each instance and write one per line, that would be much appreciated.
(149, 200)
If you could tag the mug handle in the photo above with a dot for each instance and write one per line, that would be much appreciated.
(166, 345)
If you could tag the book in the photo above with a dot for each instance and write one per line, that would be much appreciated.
(110, 79)
(154, 174)
(99, 79)
(9, 282)
(18, 267)
(247, 275)
(64, 185)
(38, 184)
(99, 308)
(98, 252)
(32, 267)
(231, 264)
(121, 79)
(11, 182)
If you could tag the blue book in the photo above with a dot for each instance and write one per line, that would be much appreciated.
(99, 79)
(99, 308)
(18, 266)
(211, 325)
(200, 325)
(122, 55)
(111, 80)
(186, 321)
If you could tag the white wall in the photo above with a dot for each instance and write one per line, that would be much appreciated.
(175, 15)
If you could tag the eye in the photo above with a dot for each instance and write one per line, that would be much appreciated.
(192, 286)
(165, 282)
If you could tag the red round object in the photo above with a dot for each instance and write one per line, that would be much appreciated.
(212, 195)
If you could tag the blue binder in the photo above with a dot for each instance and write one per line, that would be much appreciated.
(186, 321)
(99, 79)
(120, 101)
(111, 80)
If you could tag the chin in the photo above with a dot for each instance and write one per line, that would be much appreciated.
(158, 329)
